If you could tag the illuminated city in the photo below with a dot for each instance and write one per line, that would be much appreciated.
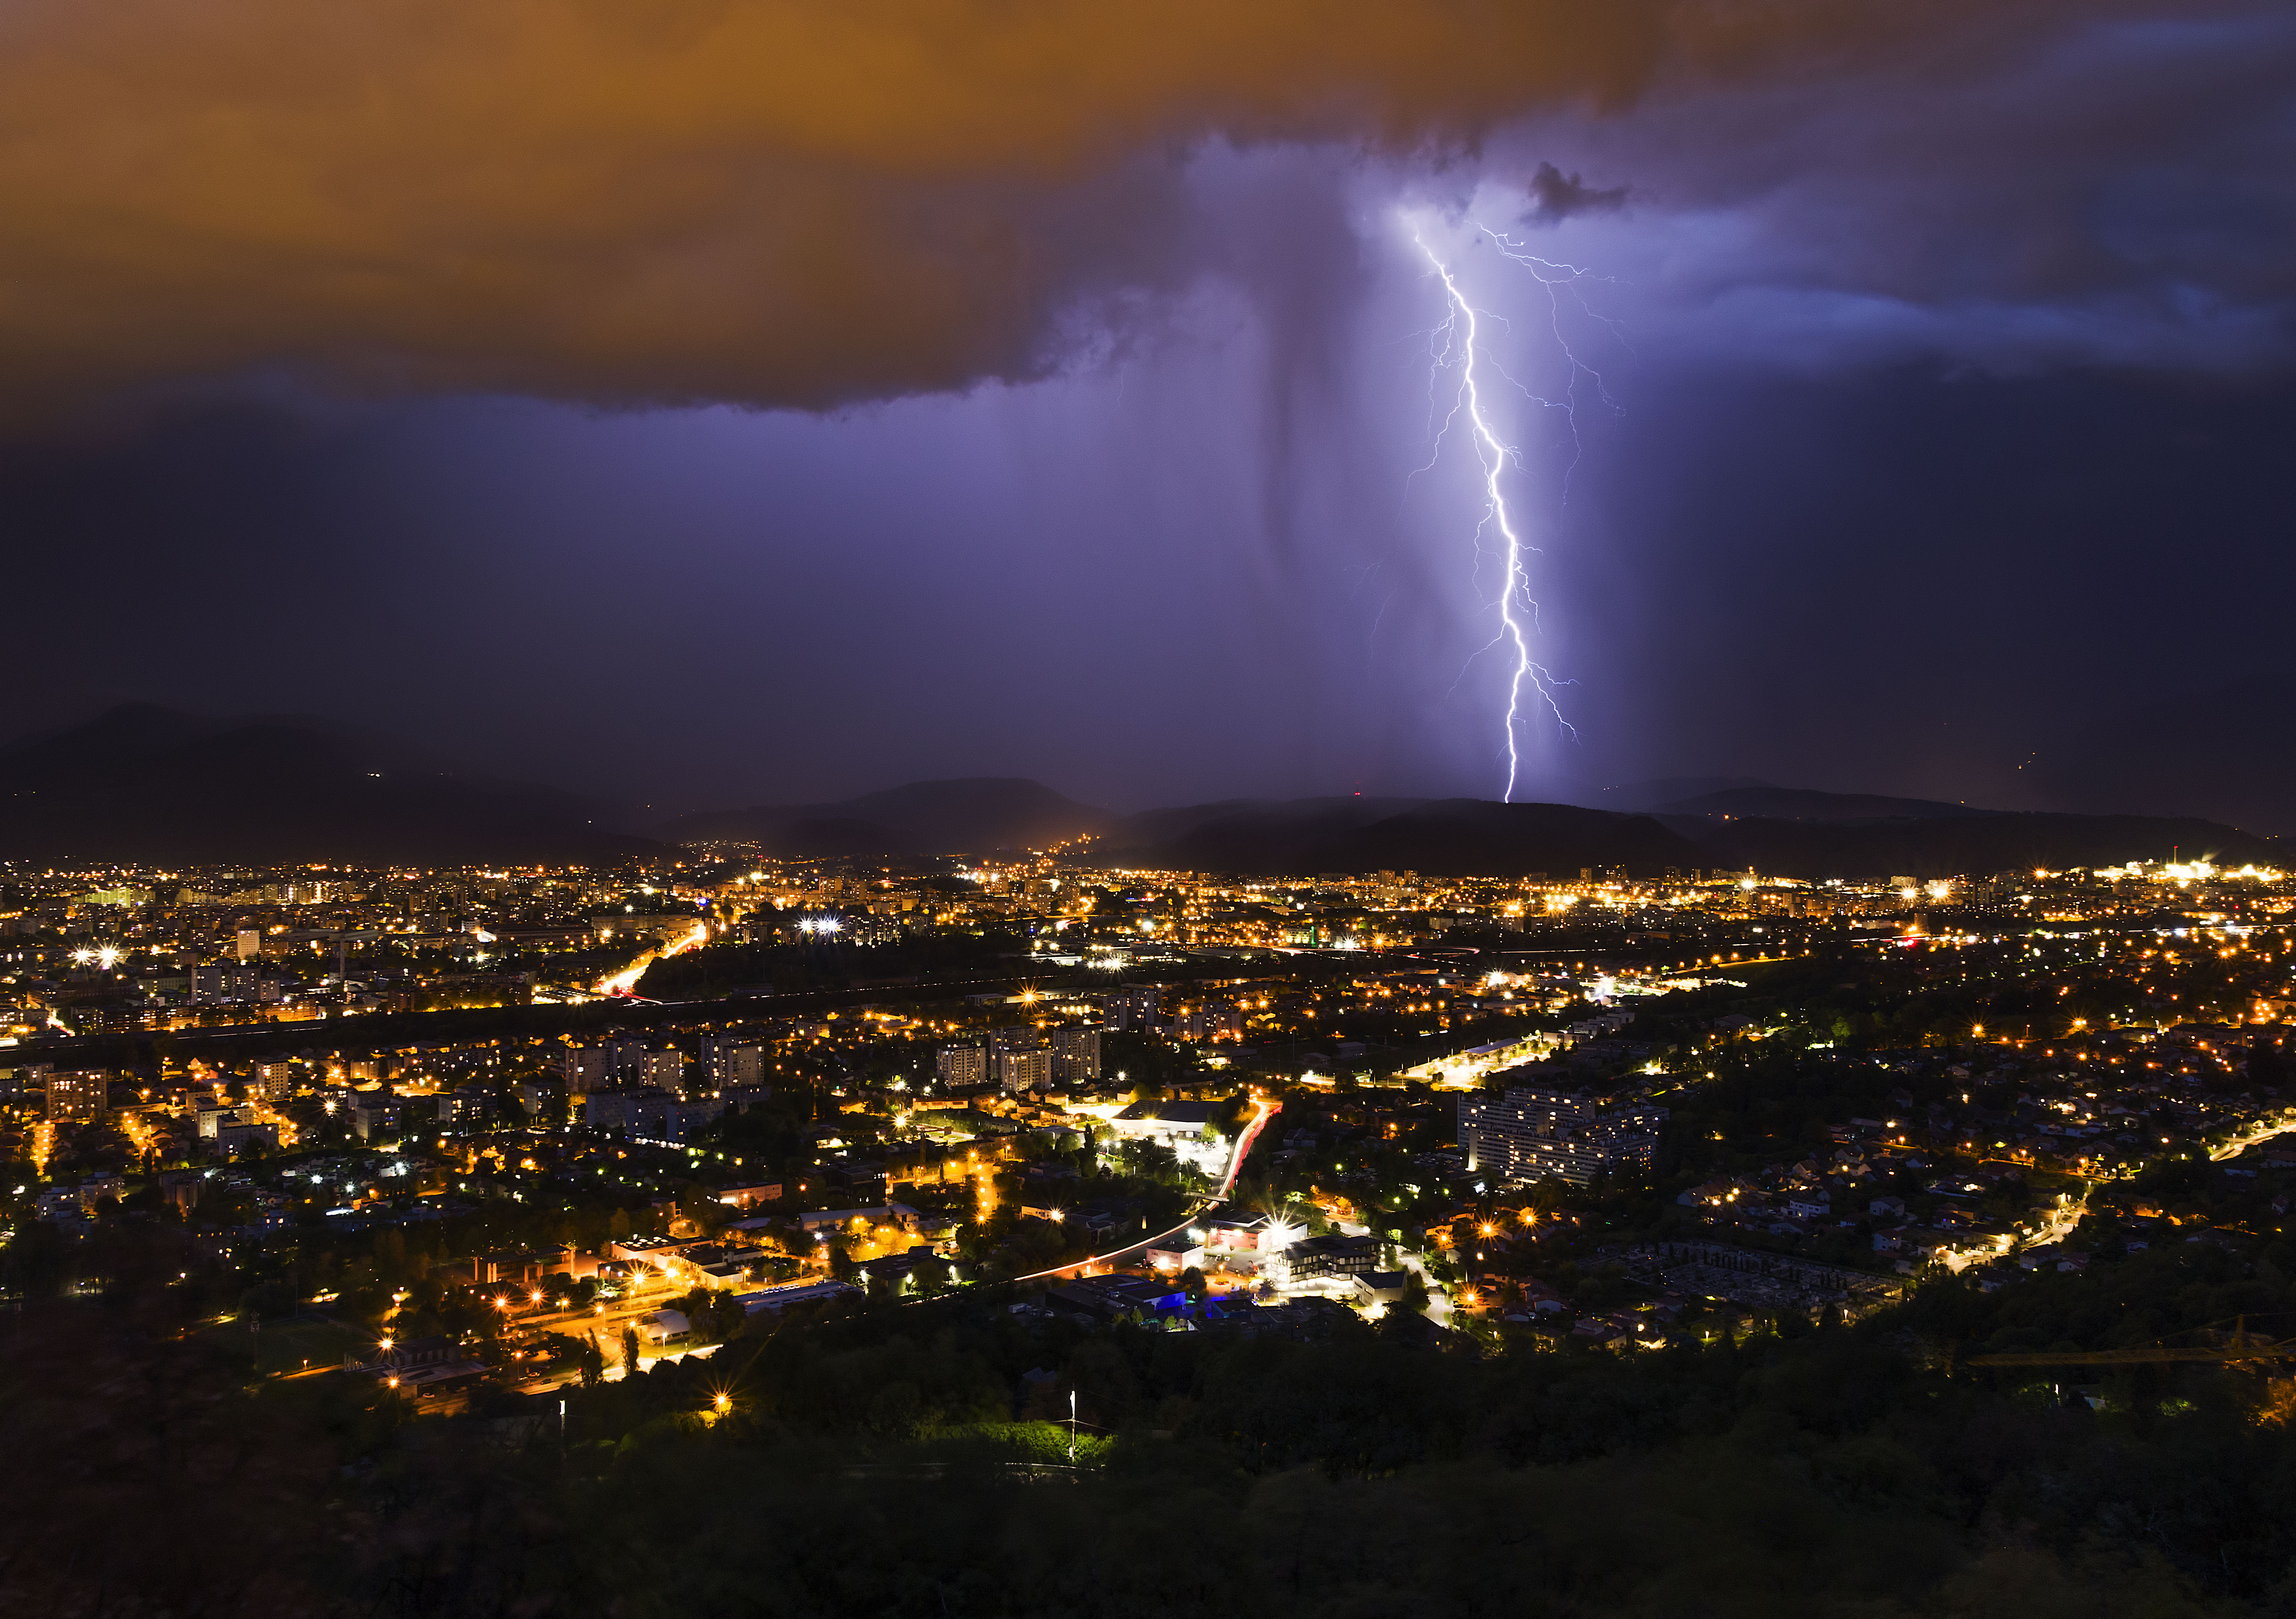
(1085, 812)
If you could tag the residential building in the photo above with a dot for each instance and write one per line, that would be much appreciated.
(79, 1095)
(1076, 1055)
(1024, 1070)
(961, 1067)
(584, 1069)
(724, 1063)
(1526, 1135)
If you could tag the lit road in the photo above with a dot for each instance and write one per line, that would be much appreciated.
(624, 982)
(1243, 1141)
(2056, 1225)
(2262, 1129)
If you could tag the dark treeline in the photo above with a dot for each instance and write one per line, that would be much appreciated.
(893, 1461)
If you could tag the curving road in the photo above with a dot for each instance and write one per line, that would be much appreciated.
(1243, 1141)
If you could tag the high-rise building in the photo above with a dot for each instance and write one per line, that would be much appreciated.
(584, 1069)
(1526, 1135)
(77, 1094)
(726, 1063)
(1076, 1055)
(1031, 1070)
(1132, 1010)
(250, 944)
(961, 1067)
(1217, 1020)
(274, 1081)
(626, 1060)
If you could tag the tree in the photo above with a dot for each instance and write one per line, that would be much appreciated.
(631, 1345)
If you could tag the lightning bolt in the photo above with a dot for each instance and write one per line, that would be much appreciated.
(1457, 343)
(1559, 278)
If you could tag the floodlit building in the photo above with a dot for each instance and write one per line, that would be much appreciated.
(1526, 1135)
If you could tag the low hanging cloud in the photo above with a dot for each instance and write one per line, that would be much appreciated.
(1555, 196)
(781, 202)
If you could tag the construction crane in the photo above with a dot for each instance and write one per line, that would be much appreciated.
(2242, 1347)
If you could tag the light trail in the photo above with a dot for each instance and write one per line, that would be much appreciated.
(1459, 343)
(1243, 1141)
(624, 982)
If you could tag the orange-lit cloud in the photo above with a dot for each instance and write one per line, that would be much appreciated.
(779, 202)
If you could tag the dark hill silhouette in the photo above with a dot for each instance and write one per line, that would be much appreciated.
(1468, 836)
(970, 814)
(1640, 797)
(1254, 834)
(1806, 804)
(1948, 847)
(146, 783)
(1448, 837)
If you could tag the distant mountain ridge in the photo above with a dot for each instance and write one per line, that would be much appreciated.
(1805, 804)
(1847, 835)
(967, 815)
(1442, 837)
(150, 784)
(1780, 832)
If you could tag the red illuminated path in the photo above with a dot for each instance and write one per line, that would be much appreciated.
(1267, 1110)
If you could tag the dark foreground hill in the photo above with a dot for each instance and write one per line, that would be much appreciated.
(148, 784)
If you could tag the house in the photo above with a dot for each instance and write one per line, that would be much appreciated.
(1381, 1287)
(1258, 1234)
(1106, 1297)
(1543, 1298)
(1169, 1123)
(899, 1271)
(1333, 1256)
(815, 1221)
(1176, 1253)
(777, 1299)
(2051, 1256)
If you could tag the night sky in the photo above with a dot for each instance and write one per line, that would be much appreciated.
(743, 403)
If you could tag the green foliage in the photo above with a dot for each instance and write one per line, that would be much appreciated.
(913, 1458)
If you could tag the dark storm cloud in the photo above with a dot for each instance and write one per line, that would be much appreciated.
(1556, 196)
(2120, 193)
(1869, 514)
(772, 201)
